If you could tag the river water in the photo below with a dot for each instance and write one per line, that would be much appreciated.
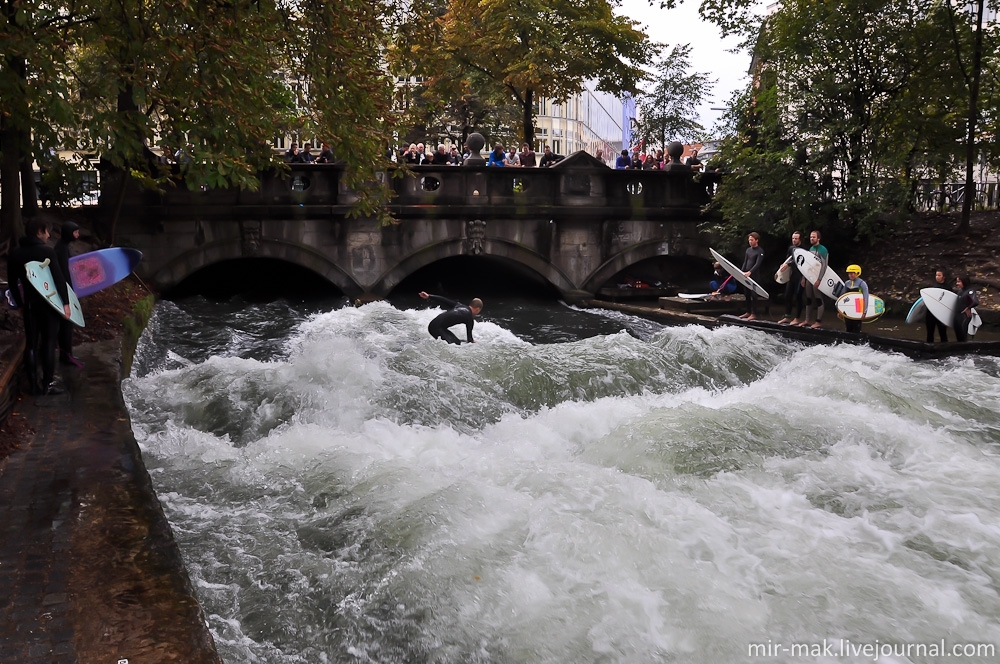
(576, 487)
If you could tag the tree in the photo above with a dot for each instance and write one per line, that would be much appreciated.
(669, 110)
(969, 58)
(533, 48)
(33, 94)
(112, 77)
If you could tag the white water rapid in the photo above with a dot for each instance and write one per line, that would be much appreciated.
(346, 489)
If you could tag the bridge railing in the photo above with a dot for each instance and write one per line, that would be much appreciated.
(580, 185)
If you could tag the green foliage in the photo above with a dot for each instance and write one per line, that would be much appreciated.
(525, 48)
(218, 79)
(668, 111)
(852, 104)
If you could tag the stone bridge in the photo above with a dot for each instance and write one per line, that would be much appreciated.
(575, 225)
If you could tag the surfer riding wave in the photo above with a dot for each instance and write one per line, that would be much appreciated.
(457, 314)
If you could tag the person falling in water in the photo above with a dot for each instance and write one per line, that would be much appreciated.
(456, 314)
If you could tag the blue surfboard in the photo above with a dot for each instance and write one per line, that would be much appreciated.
(41, 279)
(96, 270)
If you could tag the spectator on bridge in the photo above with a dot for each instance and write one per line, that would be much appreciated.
(295, 155)
(635, 163)
(412, 157)
(693, 160)
(457, 314)
(424, 157)
(600, 155)
(549, 158)
(497, 155)
(440, 157)
(325, 154)
(512, 159)
(623, 162)
(455, 158)
(527, 156)
(307, 155)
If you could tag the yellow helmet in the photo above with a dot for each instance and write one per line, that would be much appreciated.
(854, 268)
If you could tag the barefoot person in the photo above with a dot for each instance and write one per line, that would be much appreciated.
(814, 298)
(752, 261)
(457, 314)
(793, 288)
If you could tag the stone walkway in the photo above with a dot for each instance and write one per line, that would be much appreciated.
(89, 571)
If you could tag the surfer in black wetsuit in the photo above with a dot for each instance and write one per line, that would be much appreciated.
(751, 268)
(457, 313)
(967, 300)
(41, 322)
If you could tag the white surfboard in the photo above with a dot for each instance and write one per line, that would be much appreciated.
(850, 305)
(738, 275)
(784, 272)
(695, 296)
(41, 279)
(917, 311)
(941, 303)
(810, 265)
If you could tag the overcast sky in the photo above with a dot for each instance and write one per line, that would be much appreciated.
(709, 53)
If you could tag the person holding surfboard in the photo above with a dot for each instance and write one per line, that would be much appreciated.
(457, 314)
(813, 295)
(793, 287)
(940, 281)
(70, 231)
(41, 322)
(967, 299)
(752, 261)
(856, 284)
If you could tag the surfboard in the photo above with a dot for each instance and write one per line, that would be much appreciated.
(96, 270)
(809, 265)
(695, 296)
(917, 311)
(941, 303)
(851, 305)
(738, 274)
(782, 276)
(41, 279)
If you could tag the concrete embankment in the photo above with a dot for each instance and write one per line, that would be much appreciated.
(89, 570)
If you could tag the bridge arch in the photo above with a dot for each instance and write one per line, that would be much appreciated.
(492, 248)
(186, 264)
(622, 260)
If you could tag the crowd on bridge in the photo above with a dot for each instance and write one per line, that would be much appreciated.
(417, 154)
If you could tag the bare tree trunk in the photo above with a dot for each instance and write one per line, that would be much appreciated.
(970, 139)
(11, 223)
(29, 192)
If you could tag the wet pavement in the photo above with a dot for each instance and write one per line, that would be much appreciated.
(89, 570)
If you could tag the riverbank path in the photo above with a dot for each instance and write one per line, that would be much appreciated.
(89, 570)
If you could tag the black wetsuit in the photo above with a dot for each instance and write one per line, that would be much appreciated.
(41, 322)
(62, 252)
(457, 314)
(967, 299)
